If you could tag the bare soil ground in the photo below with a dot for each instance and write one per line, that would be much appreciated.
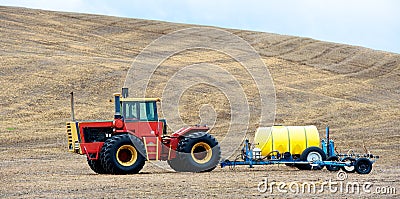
(46, 55)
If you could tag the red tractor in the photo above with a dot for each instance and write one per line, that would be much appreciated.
(136, 135)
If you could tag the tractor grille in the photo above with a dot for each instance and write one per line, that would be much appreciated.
(69, 135)
(97, 134)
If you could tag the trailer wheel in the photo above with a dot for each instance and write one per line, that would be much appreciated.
(96, 166)
(198, 152)
(348, 169)
(311, 154)
(123, 154)
(363, 166)
(331, 167)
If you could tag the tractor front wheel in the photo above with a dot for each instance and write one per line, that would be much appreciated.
(123, 154)
(96, 166)
(198, 152)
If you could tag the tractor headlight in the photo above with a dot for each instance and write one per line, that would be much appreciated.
(118, 124)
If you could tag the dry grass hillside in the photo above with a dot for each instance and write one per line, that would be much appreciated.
(46, 55)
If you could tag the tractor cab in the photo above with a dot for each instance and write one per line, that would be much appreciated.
(139, 109)
(138, 115)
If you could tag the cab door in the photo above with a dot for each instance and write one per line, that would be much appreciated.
(141, 118)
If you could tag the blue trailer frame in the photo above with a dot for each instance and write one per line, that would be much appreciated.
(328, 147)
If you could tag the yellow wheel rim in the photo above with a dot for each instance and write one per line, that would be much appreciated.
(201, 152)
(126, 155)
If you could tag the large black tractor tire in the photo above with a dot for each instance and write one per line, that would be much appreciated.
(177, 165)
(197, 152)
(96, 166)
(311, 154)
(123, 154)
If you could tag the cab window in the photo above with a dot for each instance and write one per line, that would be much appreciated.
(130, 110)
(143, 111)
(147, 111)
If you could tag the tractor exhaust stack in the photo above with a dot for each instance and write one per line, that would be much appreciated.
(117, 101)
(125, 92)
(72, 107)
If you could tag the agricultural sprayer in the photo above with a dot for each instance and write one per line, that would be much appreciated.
(298, 146)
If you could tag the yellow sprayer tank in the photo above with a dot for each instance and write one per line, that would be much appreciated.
(293, 139)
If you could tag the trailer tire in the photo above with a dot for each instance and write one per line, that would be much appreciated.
(311, 154)
(348, 169)
(331, 167)
(198, 152)
(123, 154)
(363, 166)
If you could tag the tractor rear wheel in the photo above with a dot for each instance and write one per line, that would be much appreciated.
(176, 164)
(311, 154)
(198, 152)
(123, 154)
(96, 166)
